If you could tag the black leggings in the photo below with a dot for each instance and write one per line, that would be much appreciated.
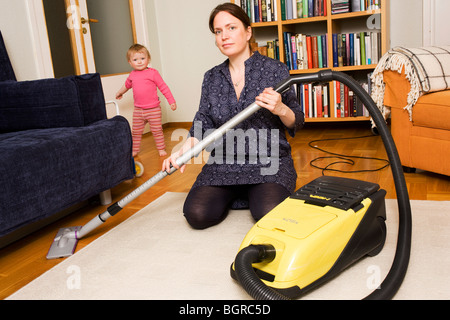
(206, 206)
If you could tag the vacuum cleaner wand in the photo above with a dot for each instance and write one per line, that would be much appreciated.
(61, 247)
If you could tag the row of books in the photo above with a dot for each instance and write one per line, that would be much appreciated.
(266, 10)
(296, 9)
(259, 10)
(305, 52)
(344, 6)
(355, 49)
(315, 101)
(271, 50)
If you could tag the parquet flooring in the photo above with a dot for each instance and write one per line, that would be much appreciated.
(24, 260)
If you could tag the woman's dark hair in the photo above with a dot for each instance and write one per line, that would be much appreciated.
(232, 9)
(235, 11)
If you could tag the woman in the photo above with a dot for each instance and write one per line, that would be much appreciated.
(240, 175)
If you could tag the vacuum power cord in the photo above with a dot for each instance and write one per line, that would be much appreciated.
(343, 159)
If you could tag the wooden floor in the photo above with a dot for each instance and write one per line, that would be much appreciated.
(24, 260)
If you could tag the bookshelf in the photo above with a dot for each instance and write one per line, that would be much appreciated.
(373, 22)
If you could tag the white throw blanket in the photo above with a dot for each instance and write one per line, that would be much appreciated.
(427, 69)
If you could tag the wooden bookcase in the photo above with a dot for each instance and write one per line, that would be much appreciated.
(352, 22)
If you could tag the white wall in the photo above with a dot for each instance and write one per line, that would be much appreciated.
(182, 49)
(17, 33)
(406, 23)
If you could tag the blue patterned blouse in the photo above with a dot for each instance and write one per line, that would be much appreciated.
(257, 150)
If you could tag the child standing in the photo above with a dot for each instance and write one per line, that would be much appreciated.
(145, 81)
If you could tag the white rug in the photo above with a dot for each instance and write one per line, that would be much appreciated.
(155, 254)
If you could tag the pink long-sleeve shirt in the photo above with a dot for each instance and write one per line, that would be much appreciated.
(145, 84)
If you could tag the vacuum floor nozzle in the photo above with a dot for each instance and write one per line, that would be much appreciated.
(63, 245)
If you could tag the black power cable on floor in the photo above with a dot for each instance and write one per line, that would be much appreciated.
(343, 159)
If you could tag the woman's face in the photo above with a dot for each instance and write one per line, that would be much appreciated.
(231, 35)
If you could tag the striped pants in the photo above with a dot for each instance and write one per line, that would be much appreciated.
(140, 118)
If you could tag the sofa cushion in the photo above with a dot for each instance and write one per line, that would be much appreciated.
(433, 110)
(39, 104)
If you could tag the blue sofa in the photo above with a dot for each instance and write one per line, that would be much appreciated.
(57, 147)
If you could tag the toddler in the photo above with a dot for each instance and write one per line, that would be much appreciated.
(145, 81)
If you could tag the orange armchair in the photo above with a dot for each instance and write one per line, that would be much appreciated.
(423, 142)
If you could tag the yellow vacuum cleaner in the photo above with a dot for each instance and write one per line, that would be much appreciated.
(313, 235)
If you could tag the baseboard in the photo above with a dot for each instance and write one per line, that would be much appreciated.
(183, 125)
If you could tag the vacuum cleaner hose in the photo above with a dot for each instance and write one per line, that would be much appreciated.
(394, 278)
(246, 274)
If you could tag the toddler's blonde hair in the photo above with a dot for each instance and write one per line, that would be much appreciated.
(138, 48)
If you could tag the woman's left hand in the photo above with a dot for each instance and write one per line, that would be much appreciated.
(271, 100)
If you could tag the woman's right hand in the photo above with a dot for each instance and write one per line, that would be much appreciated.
(171, 162)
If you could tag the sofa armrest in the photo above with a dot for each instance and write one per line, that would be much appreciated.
(92, 99)
(396, 89)
(72, 101)
(6, 70)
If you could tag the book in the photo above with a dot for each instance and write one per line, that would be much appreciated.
(355, 5)
(340, 6)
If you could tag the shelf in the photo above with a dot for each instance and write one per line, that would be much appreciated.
(333, 119)
(355, 14)
(342, 69)
(264, 24)
(355, 68)
(304, 20)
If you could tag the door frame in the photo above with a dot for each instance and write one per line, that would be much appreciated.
(433, 17)
(428, 25)
(40, 37)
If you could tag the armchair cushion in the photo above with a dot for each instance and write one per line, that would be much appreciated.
(433, 110)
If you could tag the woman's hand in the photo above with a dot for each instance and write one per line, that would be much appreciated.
(271, 100)
(171, 161)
